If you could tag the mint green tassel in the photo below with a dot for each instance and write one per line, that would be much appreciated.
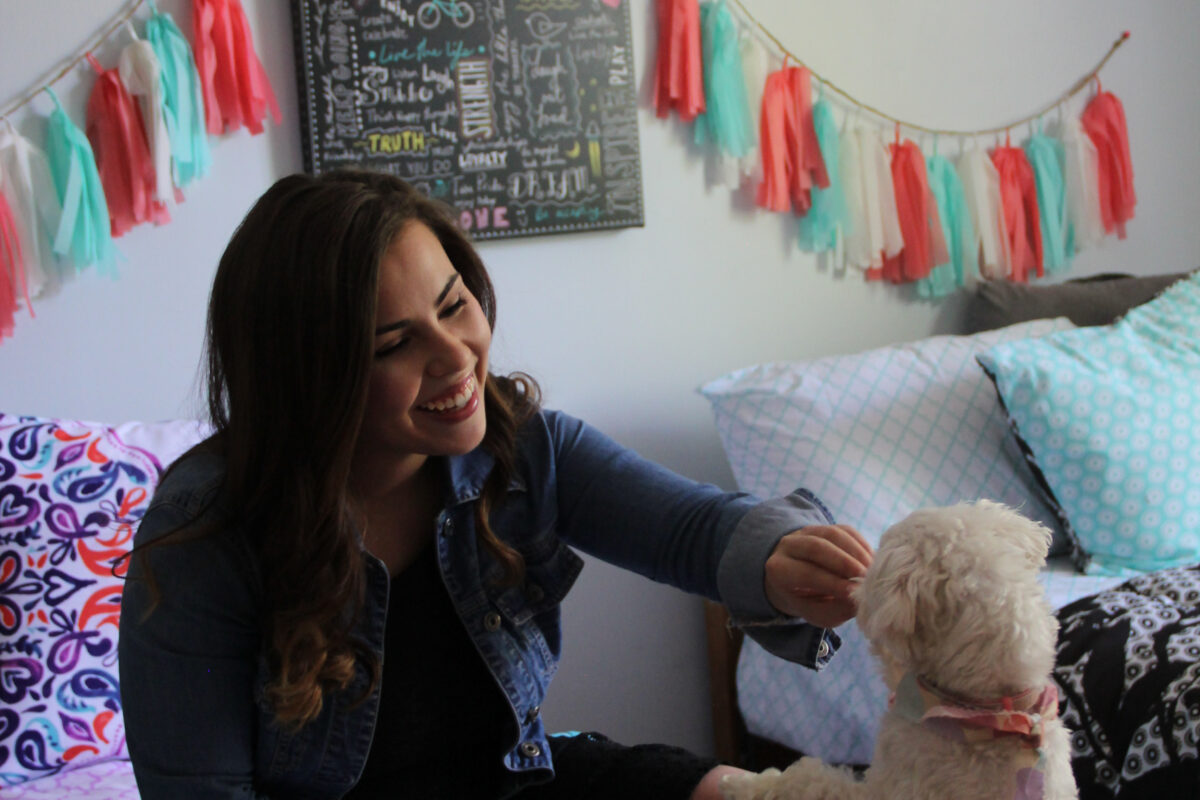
(183, 101)
(726, 121)
(1046, 156)
(84, 232)
(952, 208)
(819, 227)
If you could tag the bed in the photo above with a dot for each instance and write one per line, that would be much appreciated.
(992, 413)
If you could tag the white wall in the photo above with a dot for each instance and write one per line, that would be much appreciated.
(620, 327)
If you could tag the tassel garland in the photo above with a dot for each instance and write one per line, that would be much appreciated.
(183, 99)
(84, 231)
(122, 154)
(236, 90)
(1013, 213)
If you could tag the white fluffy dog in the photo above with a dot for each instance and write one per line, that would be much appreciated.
(953, 611)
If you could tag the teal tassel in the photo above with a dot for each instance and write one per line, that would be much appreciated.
(183, 100)
(1046, 156)
(819, 227)
(726, 121)
(957, 228)
(84, 231)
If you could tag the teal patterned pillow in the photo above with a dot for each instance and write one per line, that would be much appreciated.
(1110, 417)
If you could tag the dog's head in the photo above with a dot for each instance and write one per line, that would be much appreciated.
(953, 596)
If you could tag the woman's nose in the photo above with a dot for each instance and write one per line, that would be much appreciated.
(450, 354)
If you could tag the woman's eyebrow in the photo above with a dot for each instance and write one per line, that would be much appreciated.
(391, 326)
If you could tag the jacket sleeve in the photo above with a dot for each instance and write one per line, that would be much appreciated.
(188, 666)
(629, 511)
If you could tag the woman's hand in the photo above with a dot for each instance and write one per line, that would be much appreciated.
(812, 570)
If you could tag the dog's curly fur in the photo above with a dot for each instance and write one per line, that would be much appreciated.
(952, 596)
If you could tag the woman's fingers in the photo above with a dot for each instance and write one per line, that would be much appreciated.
(811, 572)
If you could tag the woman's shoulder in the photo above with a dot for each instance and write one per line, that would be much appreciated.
(185, 493)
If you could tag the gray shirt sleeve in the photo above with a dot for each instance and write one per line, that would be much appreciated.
(741, 584)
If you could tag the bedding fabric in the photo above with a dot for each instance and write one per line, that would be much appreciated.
(878, 434)
(70, 495)
(1129, 678)
(1110, 418)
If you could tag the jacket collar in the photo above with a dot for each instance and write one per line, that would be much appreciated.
(467, 474)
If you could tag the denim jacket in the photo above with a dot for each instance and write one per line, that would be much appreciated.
(193, 672)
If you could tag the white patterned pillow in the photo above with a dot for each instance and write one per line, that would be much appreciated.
(878, 434)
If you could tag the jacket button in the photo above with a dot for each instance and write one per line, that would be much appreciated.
(530, 749)
(532, 713)
(823, 649)
(491, 621)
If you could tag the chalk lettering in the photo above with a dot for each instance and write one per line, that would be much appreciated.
(474, 99)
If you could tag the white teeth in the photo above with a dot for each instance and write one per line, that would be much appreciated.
(458, 401)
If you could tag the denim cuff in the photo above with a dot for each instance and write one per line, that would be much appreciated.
(740, 580)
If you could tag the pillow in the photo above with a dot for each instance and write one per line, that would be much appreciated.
(71, 494)
(881, 433)
(1111, 418)
(1095, 300)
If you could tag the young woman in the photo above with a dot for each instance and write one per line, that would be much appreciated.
(352, 588)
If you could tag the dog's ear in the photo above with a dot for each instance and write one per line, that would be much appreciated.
(887, 598)
(1031, 538)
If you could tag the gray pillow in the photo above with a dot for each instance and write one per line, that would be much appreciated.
(1095, 300)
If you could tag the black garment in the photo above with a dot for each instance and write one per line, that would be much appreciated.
(456, 750)
(1128, 670)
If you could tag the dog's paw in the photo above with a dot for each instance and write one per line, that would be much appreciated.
(750, 785)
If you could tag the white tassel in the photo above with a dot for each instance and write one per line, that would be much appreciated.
(141, 73)
(756, 65)
(34, 202)
(981, 186)
(872, 219)
(1081, 173)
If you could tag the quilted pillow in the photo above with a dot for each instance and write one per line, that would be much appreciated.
(71, 494)
(878, 434)
(1110, 416)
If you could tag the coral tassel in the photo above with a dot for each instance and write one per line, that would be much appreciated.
(1104, 121)
(122, 154)
(920, 225)
(236, 89)
(12, 270)
(1018, 194)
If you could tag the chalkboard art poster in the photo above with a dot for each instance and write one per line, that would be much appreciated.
(519, 113)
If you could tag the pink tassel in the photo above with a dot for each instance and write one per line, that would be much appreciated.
(920, 223)
(791, 153)
(773, 190)
(1022, 223)
(115, 131)
(1104, 121)
(235, 85)
(678, 71)
(12, 270)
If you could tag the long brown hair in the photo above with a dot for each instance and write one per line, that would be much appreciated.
(289, 351)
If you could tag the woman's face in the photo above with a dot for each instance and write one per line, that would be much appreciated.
(425, 395)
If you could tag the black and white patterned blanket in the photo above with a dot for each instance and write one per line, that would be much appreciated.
(1129, 675)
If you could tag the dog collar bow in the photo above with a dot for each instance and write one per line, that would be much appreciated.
(1023, 715)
